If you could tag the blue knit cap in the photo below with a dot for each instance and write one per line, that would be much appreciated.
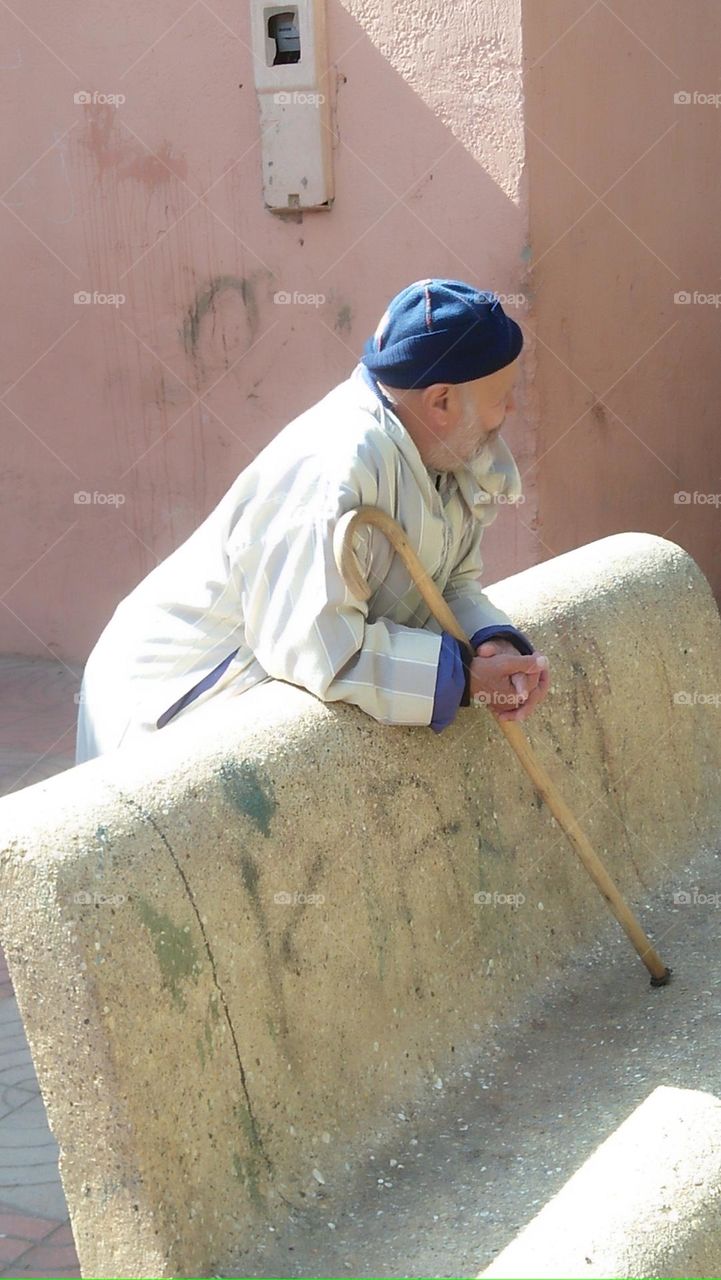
(441, 331)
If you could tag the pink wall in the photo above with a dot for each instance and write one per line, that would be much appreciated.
(440, 169)
(163, 399)
(628, 381)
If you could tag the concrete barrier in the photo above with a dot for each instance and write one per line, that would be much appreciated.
(242, 946)
(646, 1203)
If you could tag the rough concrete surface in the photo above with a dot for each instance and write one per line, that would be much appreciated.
(464, 1171)
(645, 1203)
(243, 949)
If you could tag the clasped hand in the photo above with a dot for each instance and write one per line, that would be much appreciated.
(510, 684)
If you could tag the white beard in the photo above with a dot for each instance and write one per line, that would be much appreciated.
(482, 461)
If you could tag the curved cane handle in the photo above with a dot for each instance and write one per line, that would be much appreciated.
(347, 563)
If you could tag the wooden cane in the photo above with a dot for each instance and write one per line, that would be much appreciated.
(349, 569)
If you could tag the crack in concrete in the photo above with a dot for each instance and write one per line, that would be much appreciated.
(256, 1139)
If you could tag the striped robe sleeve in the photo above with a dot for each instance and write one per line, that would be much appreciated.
(305, 627)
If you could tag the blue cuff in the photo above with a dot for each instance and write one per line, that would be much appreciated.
(451, 681)
(521, 642)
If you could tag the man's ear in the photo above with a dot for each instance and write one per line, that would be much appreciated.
(437, 402)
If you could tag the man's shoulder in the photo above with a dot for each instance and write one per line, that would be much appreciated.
(343, 431)
(335, 451)
(353, 412)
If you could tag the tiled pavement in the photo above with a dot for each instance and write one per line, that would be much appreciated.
(37, 739)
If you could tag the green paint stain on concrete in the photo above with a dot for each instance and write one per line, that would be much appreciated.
(176, 954)
(248, 1171)
(245, 1123)
(488, 850)
(249, 872)
(249, 792)
(211, 1020)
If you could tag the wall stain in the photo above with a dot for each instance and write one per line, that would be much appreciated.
(250, 874)
(222, 1006)
(252, 794)
(204, 302)
(286, 941)
(344, 320)
(118, 152)
(206, 1043)
(177, 956)
(486, 846)
(251, 880)
(248, 1170)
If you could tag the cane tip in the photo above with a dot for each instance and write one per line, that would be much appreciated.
(663, 979)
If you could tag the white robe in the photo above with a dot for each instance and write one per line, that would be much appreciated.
(259, 575)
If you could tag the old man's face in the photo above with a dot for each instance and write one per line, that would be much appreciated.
(478, 413)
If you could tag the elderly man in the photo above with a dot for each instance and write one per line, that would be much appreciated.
(254, 593)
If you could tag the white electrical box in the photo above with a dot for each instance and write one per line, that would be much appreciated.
(290, 66)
